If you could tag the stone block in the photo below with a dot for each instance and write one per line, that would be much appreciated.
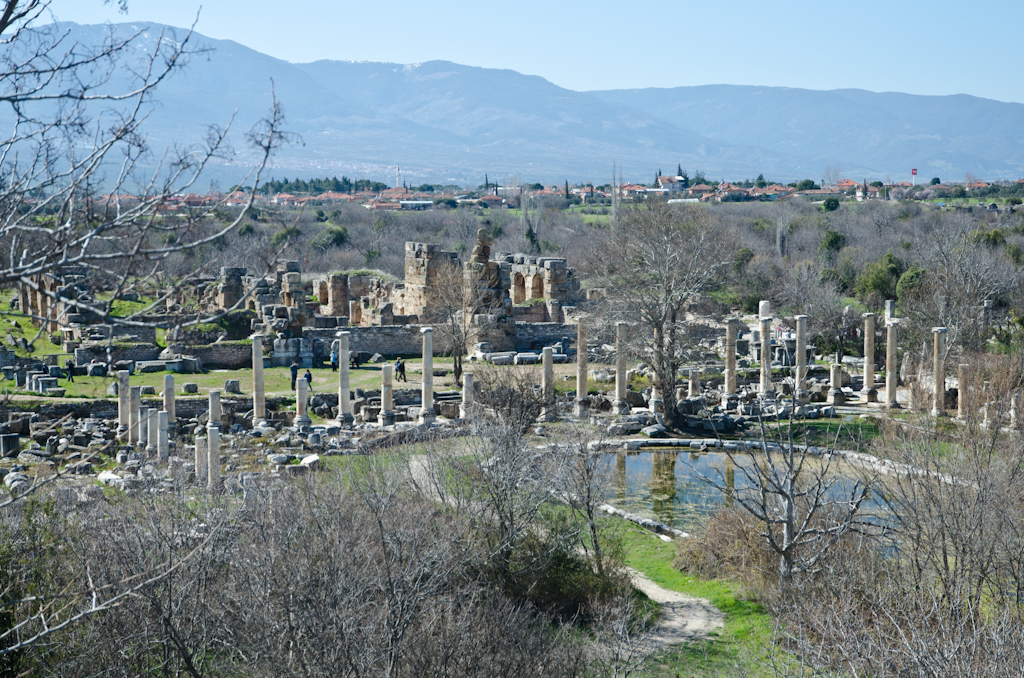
(189, 388)
(232, 386)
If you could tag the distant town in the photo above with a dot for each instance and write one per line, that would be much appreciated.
(374, 195)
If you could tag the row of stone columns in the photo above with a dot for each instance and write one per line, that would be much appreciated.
(144, 426)
(869, 390)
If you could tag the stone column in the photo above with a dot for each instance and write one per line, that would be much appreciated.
(259, 398)
(869, 392)
(154, 433)
(732, 329)
(202, 474)
(801, 359)
(344, 394)
(1015, 410)
(621, 405)
(387, 396)
(766, 354)
(962, 378)
(892, 373)
(301, 401)
(427, 393)
(163, 449)
(143, 427)
(835, 393)
(939, 395)
(764, 309)
(134, 405)
(890, 310)
(355, 312)
(547, 385)
(694, 390)
(212, 456)
(581, 407)
(467, 395)
(169, 398)
(214, 410)
(123, 402)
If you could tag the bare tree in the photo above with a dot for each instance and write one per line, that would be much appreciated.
(81, 188)
(452, 304)
(653, 262)
(796, 497)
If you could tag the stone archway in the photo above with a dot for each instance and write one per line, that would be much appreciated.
(518, 289)
(537, 288)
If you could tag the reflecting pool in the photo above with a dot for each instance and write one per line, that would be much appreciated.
(667, 486)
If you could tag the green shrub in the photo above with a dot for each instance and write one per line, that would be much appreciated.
(877, 282)
(910, 281)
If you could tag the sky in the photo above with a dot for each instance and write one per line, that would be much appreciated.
(939, 47)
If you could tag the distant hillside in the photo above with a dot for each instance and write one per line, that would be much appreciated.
(944, 136)
(446, 122)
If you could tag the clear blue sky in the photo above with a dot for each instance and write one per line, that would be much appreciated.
(939, 47)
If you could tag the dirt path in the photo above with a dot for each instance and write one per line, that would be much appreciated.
(684, 618)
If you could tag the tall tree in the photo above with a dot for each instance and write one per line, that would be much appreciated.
(652, 263)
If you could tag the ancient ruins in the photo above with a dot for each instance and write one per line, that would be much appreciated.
(521, 310)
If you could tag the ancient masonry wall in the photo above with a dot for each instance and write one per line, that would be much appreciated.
(225, 355)
(117, 352)
(424, 266)
(383, 339)
(538, 335)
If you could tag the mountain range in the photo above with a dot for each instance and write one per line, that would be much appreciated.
(445, 122)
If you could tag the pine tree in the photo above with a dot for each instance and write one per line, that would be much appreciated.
(566, 189)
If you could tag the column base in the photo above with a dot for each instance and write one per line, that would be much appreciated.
(803, 396)
(426, 417)
(836, 397)
(346, 420)
(548, 414)
(581, 408)
(386, 418)
(464, 411)
(620, 407)
(730, 382)
(869, 395)
(893, 405)
(302, 421)
(938, 413)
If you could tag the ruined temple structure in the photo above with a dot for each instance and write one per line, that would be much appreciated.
(301, 318)
(301, 312)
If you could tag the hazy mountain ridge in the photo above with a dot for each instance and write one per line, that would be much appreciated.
(441, 120)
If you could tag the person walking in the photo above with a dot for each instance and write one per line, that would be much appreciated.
(295, 373)
(309, 380)
(334, 361)
(400, 369)
(70, 364)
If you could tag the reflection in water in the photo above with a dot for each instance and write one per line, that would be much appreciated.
(663, 482)
(657, 484)
(620, 476)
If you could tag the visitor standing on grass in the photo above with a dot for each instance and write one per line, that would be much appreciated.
(70, 364)
(334, 361)
(400, 369)
(309, 380)
(295, 373)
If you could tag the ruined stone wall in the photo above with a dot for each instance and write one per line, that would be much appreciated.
(86, 354)
(538, 335)
(424, 269)
(226, 355)
(539, 278)
(384, 339)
